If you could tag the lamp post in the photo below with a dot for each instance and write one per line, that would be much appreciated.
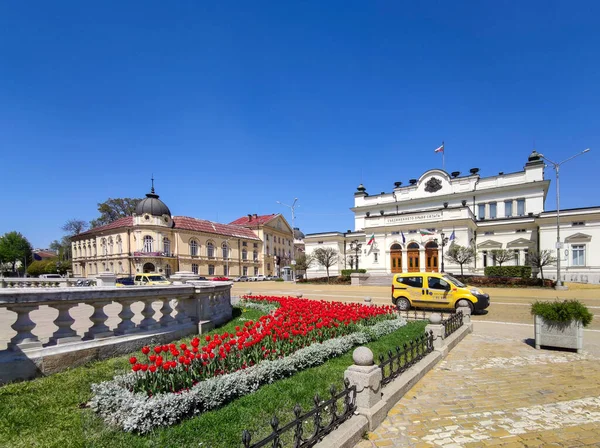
(559, 244)
(293, 209)
(356, 246)
(443, 242)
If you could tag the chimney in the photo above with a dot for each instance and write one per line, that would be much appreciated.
(255, 216)
(249, 217)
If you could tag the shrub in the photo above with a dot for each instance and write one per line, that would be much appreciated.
(348, 272)
(342, 280)
(564, 311)
(508, 271)
(506, 281)
(278, 279)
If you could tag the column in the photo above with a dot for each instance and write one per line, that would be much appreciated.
(99, 329)
(126, 326)
(23, 326)
(422, 260)
(166, 310)
(148, 323)
(64, 321)
(404, 259)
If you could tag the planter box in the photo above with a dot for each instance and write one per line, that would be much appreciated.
(558, 334)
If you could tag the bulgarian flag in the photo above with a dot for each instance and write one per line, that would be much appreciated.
(371, 240)
(439, 148)
(424, 232)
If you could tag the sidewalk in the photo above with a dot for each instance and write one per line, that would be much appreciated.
(494, 389)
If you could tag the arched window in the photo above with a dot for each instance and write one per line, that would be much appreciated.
(413, 246)
(225, 251)
(194, 248)
(110, 246)
(119, 245)
(148, 244)
(210, 250)
(255, 255)
(244, 254)
(167, 246)
(396, 247)
(104, 247)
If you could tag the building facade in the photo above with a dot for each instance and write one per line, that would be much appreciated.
(411, 227)
(154, 241)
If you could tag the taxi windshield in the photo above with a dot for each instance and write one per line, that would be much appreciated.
(454, 280)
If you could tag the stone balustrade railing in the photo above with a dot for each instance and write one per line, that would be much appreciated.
(190, 308)
(30, 282)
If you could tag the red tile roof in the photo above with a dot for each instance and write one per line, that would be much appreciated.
(201, 225)
(121, 222)
(253, 221)
(45, 253)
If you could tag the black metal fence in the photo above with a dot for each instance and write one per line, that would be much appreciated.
(323, 418)
(452, 324)
(423, 314)
(410, 353)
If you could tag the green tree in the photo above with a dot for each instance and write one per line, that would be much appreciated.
(326, 257)
(14, 247)
(113, 209)
(460, 255)
(541, 259)
(502, 255)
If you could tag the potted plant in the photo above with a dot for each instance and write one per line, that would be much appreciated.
(560, 324)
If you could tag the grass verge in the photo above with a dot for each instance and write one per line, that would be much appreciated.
(47, 412)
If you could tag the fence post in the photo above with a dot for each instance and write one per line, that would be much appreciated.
(366, 376)
(466, 312)
(435, 325)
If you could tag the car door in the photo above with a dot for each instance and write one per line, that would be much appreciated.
(439, 292)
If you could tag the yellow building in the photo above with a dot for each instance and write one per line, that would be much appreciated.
(154, 241)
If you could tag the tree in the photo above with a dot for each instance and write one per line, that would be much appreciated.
(502, 255)
(303, 262)
(460, 255)
(15, 247)
(113, 209)
(326, 257)
(541, 259)
(75, 226)
(48, 266)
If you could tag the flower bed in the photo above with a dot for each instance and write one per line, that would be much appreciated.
(127, 403)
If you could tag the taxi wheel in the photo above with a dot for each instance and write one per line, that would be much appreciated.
(465, 302)
(402, 304)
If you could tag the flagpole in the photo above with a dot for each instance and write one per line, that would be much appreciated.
(443, 157)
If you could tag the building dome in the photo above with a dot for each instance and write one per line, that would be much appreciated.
(534, 156)
(298, 235)
(152, 206)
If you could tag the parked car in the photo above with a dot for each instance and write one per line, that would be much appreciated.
(125, 281)
(241, 278)
(435, 290)
(50, 276)
(258, 278)
(151, 280)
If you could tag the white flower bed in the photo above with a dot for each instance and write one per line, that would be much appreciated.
(136, 412)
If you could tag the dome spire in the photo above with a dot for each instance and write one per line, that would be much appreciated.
(152, 189)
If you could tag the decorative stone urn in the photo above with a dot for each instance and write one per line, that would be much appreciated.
(558, 334)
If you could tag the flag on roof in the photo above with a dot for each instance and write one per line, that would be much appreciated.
(452, 236)
(403, 239)
(439, 148)
(371, 240)
(424, 232)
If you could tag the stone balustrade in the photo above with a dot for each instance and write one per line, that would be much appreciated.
(189, 308)
(31, 282)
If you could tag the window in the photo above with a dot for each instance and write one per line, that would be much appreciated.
(194, 248)
(516, 254)
(167, 246)
(526, 257)
(319, 242)
(485, 258)
(255, 255)
(438, 283)
(168, 270)
(119, 245)
(110, 245)
(488, 232)
(225, 251)
(194, 268)
(210, 250)
(255, 271)
(375, 257)
(245, 270)
(148, 244)
(244, 243)
(267, 237)
(493, 207)
(578, 255)
(481, 211)
(255, 244)
(211, 269)
(508, 209)
(244, 254)
(578, 223)
(225, 271)
(104, 248)
(268, 266)
(520, 230)
(412, 231)
(416, 282)
(520, 207)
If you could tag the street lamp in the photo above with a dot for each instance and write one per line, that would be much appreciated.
(444, 241)
(293, 209)
(355, 246)
(559, 245)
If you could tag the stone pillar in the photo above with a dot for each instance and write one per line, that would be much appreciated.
(99, 317)
(405, 259)
(166, 310)
(366, 376)
(435, 325)
(181, 277)
(148, 322)
(422, 260)
(64, 321)
(466, 312)
(126, 326)
(23, 326)
(106, 279)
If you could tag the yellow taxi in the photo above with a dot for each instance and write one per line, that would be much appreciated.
(151, 280)
(435, 290)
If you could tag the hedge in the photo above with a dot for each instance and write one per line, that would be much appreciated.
(564, 311)
(348, 272)
(342, 280)
(509, 282)
(508, 271)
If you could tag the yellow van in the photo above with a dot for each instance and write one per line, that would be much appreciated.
(435, 290)
(151, 280)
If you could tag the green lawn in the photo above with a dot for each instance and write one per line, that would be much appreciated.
(48, 412)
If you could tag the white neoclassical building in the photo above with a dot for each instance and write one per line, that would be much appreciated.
(505, 211)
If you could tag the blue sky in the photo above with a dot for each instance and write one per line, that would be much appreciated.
(236, 105)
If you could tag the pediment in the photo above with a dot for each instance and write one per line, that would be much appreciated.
(579, 238)
(520, 242)
(280, 224)
(490, 244)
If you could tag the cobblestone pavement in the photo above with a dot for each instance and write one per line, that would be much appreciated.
(496, 390)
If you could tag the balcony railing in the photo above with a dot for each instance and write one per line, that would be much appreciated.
(153, 254)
